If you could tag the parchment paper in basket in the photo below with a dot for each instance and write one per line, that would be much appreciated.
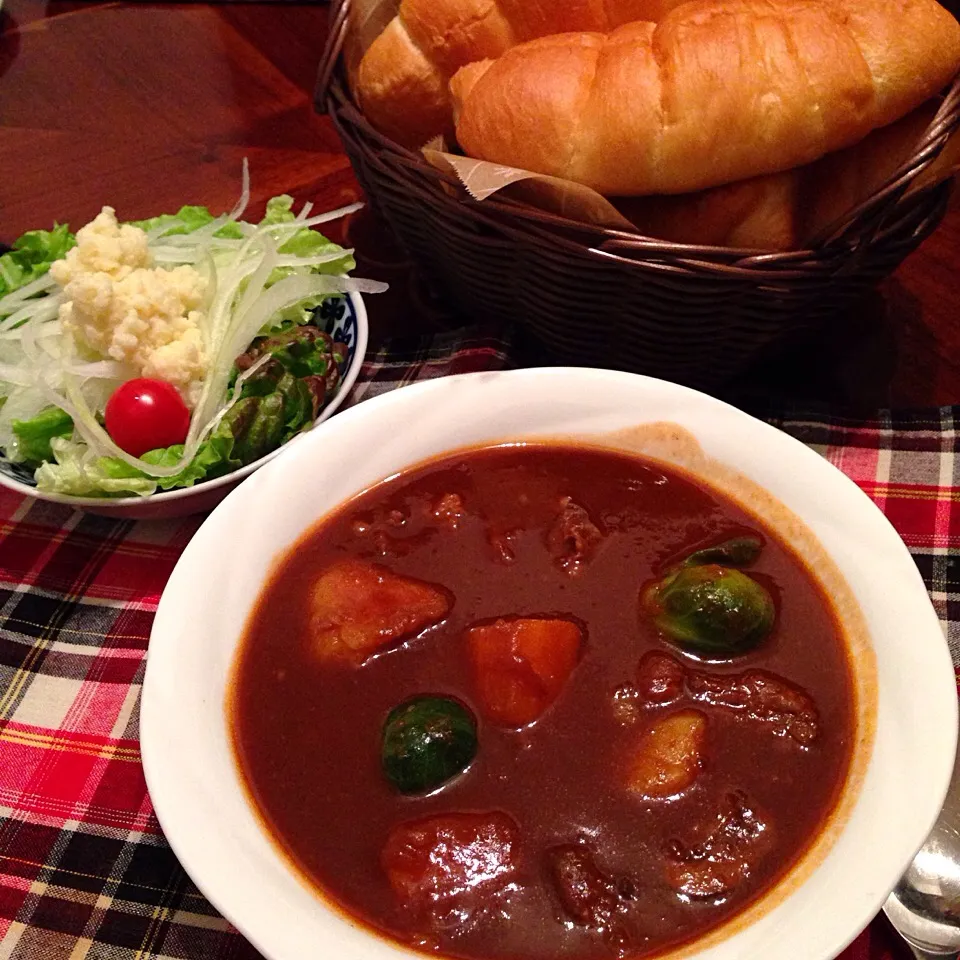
(563, 197)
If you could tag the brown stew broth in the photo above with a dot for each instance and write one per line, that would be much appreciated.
(308, 734)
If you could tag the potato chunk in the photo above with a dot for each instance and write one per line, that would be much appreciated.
(447, 867)
(356, 608)
(669, 755)
(521, 665)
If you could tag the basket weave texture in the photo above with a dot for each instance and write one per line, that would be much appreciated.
(586, 295)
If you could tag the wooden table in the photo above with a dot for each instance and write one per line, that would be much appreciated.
(149, 106)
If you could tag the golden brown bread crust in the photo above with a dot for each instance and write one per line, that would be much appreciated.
(464, 80)
(403, 94)
(452, 33)
(900, 40)
(719, 91)
(531, 19)
(755, 214)
(401, 81)
(786, 211)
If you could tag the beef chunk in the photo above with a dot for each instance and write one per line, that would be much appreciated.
(449, 510)
(573, 537)
(357, 608)
(761, 696)
(385, 531)
(715, 864)
(502, 542)
(521, 665)
(660, 678)
(588, 896)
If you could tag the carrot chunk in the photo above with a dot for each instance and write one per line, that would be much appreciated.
(357, 608)
(521, 665)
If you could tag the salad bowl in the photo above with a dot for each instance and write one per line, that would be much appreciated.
(902, 763)
(350, 328)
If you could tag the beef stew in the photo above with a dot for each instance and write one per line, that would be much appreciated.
(634, 781)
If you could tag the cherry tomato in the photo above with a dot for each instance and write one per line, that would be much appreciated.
(146, 414)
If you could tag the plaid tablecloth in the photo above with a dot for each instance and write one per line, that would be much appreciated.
(84, 869)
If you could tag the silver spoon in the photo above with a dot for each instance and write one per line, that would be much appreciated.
(925, 905)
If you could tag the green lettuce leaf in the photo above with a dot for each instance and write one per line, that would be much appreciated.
(32, 255)
(295, 315)
(304, 243)
(71, 474)
(187, 219)
(31, 438)
(279, 210)
(75, 477)
(213, 458)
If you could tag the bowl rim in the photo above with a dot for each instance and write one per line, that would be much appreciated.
(117, 504)
(161, 757)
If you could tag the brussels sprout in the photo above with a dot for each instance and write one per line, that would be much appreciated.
(736, 552)
(427, 741)
(710, 609)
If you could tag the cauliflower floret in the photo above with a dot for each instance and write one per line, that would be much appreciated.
(104, 246)
(170, 360)
(120, 307)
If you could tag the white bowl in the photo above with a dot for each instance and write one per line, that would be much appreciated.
(352, 328)
(904, 674)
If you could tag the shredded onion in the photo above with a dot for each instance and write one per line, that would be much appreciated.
(13, 301)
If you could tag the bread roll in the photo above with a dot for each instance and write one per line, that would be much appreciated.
(402, 79)
(755, 214)
(786, 211)
(718, 91)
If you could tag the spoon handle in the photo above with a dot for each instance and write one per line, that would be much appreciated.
(923, 955)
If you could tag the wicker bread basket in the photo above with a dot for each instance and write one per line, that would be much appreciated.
(586, 295)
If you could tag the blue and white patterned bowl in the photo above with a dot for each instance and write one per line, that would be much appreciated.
(350, 328)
